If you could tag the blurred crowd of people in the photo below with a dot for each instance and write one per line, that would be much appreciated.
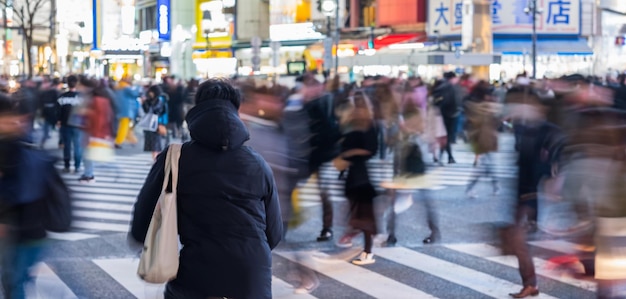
(570, 136)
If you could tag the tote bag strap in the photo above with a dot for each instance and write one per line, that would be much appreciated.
(167, 169)
(174, 151)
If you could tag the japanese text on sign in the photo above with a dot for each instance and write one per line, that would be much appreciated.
(509, 17)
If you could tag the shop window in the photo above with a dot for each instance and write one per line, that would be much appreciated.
(147, 18)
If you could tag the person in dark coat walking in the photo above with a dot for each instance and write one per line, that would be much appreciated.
(229, 225)
(447, 97)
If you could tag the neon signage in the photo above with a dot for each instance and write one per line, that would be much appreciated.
(163, 19)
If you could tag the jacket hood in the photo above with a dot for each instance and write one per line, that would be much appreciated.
(216, 124)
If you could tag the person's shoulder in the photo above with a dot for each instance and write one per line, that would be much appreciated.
(256, 158)
(69, 94)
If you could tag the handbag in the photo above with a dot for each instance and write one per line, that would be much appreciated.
(100, 149)
(149, 122)
(159, 257)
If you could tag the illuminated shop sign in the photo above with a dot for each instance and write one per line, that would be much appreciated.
(163, 19)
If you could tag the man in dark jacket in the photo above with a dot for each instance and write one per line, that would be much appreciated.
(176, 98)
(447, 97)
(50, 108)
(324, 141)
(71, 134)
(229, 212)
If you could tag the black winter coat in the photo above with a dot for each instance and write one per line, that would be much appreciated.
(228, 210)
(447, 98)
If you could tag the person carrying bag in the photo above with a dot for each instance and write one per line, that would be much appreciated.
(159, 258)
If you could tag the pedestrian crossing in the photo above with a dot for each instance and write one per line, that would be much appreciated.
(449, 175)
(434, 271)
(107, 204)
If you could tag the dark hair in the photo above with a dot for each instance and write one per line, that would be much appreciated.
(55, 81)
(155, 89)
(449, 75)
(72, 81)
(87, 82)
(100, 91)
(218, 89)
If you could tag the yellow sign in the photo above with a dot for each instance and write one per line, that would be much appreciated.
(215, 23)
(211, 54)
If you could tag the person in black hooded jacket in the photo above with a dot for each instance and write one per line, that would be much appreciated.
(229, 216)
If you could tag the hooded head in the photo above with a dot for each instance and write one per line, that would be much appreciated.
(214, 121)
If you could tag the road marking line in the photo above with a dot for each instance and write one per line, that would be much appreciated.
(49, 285)
(459, 275)
(103, 197)
(101, 226)
(360, 278)
(69, 236)
(492, 253)
(102, 215)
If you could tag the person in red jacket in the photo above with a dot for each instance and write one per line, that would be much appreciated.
(99, 137)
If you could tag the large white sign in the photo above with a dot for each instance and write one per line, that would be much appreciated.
(445, 17)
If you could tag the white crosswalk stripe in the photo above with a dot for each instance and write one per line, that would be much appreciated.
(372, 280)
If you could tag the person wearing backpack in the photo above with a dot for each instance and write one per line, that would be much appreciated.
(29, 183)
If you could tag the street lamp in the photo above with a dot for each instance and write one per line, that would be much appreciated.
(534, 11)
(330, 8)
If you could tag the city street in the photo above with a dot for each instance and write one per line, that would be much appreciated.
(94, 261)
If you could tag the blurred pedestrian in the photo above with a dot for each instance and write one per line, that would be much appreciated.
(435, 134)
(538, 145)
(156, 103)
(359, 144)
(229, 226)
(481, 109)
(98, 138)
(49, 106)
(23, 191)
(175, 100)
(324, 128)
(70, 122)
(447, 99)
(126, 96)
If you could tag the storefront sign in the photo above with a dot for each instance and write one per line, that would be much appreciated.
(562, 17)
(163, 20)
(300, 31)
(214, 23)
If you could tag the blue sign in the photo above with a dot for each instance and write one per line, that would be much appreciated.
(496, 7)
(442, 14)
(163, 20)
(562, 17)
(558, 12)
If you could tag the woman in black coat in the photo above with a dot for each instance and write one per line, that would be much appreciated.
(228, 211)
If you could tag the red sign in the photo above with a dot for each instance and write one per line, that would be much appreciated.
(400, 12)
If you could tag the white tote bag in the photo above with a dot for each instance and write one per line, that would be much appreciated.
(149, 122)
(159, 258)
